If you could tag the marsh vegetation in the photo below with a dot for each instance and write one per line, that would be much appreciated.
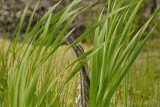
(123, 61)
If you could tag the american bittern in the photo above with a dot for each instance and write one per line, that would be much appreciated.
(82, 99)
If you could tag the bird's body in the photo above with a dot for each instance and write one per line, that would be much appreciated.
(83, 88)
(82, 99)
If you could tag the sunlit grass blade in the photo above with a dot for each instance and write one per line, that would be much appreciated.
(96, 59)
(80, 58)
(43, 36)
(31, 19)
(12, 83)
(20, 27)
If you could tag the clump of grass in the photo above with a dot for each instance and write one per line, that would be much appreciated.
(26, 62)
(112, 56)
(112, 62)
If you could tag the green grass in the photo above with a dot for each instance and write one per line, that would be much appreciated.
(42, 73)
(137, 90)
(63, 59)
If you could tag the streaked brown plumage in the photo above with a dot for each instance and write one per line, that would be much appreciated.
(82, 99)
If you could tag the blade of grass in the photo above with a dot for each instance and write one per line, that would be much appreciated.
(31, 18)
(20, 26)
